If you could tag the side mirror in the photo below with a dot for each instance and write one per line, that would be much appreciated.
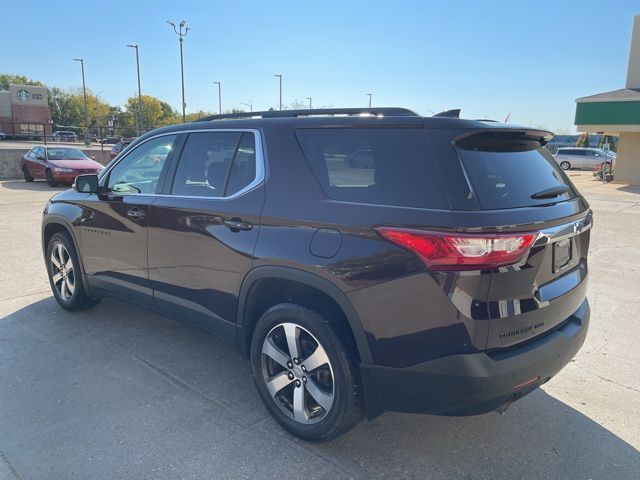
(41, 157)
(93, 157)
(87, 183)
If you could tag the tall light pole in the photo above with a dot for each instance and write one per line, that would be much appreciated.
(370, 95)
(181, 36)
(219, 97)
(279, 75)
(310, 105)
(139, 116)
(250, 105)
(86, 111)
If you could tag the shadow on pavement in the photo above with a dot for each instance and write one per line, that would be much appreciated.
(120, 392)
(36, 185)
(630, 189)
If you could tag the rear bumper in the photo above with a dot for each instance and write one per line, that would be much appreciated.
(471, 384)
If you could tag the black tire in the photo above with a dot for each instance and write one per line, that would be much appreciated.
(565, 165)
(346, 408)
(78, 299)
(50, 180)
(25, 173)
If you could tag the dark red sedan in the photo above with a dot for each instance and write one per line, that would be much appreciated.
(57, 164)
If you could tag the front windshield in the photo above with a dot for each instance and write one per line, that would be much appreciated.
(66, 154)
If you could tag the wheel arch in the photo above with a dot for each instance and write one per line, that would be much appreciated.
(245, 315)
(246, 320)
(53, 224)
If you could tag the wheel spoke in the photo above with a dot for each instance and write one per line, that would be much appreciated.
(270, 350)
(54, 260)
(277, 383)
(71, 284)
(291, 332)
(316, 359)
(299, 405)
(325, 400)
(60, 251)
(69, 264)
(63, 289)
(56, 278)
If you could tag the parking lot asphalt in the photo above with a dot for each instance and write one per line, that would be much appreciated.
(118, 392)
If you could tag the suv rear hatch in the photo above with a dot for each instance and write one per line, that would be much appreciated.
(510, 170)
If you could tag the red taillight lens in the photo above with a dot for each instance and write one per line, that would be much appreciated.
(459, 251)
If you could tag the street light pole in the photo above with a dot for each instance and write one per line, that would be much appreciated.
(181, 36)
(139, 116)
(86, 111)
(310, 107)
(250, 105)
(219, 97)
(279, 75)
(370, 95)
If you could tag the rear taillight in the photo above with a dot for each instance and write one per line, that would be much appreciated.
(459, 251)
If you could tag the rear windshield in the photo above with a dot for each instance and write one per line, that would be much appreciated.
(383, 166)
(509, 179)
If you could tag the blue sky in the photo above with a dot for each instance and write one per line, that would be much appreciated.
(530, 58)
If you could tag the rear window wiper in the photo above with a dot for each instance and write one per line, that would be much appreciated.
(551, 192)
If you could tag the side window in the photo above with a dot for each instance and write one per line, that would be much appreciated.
(31, 155)
(139, 171)
(385, 166)
(243, 169)
(214, 161)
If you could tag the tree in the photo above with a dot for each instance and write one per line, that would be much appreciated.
(583, 140)
(611, 140)
(65, 110)
(153, 113)
(7, 78)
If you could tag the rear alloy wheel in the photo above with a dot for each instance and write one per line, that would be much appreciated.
(64, 274)
(50, 180)
(25, 173)
(306, 376)
(565, 165)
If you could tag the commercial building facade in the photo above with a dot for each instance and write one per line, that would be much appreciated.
(24, 110)
(618, 113)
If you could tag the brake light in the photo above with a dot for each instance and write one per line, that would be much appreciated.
(459, 251)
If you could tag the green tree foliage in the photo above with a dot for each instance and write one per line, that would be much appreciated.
(7, 78)
(65, 110)
(611, 140)
(154, 114)
(583, 141)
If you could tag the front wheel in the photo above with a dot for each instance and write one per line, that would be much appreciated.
(27, 176)
(306, 375)
(65, 276)
(50, 179)
(565, 165)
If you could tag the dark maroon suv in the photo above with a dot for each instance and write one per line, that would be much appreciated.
(363, 259)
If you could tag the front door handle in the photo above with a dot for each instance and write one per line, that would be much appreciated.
(235, 225)
(135, 213)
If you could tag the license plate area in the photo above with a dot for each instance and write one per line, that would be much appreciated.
(562, 251)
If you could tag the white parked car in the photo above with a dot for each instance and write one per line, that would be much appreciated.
(577, 157)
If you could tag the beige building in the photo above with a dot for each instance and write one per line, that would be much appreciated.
(618, 113)
(24, 109)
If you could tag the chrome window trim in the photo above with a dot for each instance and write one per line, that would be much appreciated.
(260, 162)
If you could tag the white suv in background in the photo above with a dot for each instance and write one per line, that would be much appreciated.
(577, 157)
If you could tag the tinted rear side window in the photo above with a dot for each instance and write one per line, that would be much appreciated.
(386, 166)
(508, 179)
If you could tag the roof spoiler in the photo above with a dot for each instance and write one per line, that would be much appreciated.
(454, 113)
(504, 139)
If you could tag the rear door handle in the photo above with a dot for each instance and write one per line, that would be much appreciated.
(235, 225)
(136, 213)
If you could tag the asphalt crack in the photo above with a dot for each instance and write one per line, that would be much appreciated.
(633, 389)
(12, 470)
